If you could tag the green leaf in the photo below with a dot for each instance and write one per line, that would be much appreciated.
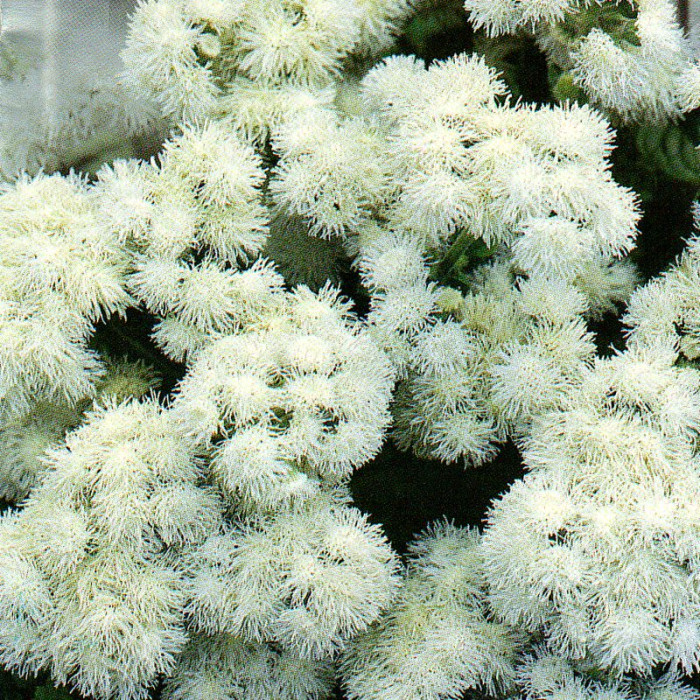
(671, 150)
(48, 692)
(465, 253)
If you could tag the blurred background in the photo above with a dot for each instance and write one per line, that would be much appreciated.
(61, 104)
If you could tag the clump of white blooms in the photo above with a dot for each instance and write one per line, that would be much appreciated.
(90, 589)
(394, 270)
(437, 640)
(254, 62)
(210, 543)
(508, 354)
(61, 273)
(597, 547)
(307, 578)
(195, 220)
(227, 668)
(23, 441)
(631, 58)
(664, 312)
(25, 438)
(290, 404)
(436, 157)
(546, 676)
(333, 172)
(436, 153)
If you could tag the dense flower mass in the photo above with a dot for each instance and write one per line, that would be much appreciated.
(193, 221)
(88, 589)
(307, 579)
(291, 404)
(630, 58)
(251, 63)
(349, 235)
(664, 312)
(596, 546)
(508, 354)
(226, 668)
(546, 676)
(436, 641)
(60, 274)
(434, 151)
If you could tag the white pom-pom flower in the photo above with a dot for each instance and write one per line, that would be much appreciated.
(101, 604)
(436, 640)
(298, 400)
(195, 220)
(61, 274)
(597, 548)
(228, 668)
(308, 578)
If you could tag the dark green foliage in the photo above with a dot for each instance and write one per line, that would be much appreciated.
(671, 150)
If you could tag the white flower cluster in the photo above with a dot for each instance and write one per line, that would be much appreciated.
(437, 639)
(194, 220)
(394, 270)
(307, 579)
(291, 404)
(631, 59)
(285, 409)
(25, 438)
(226, 668)
(333, 171)
(509, 354)
(60, 274)
(282, 411)
(23, 441)
(90, 588)
(251, 62)
(214, 542)
(664, 312)
(597, 547)
(436, 153)
(286, 393)
(545, 676)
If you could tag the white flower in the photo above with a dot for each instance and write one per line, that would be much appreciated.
(201, 203)
(299, 398)
(663, 313)
(631, 59)
(503, 16)
(514, 353)
(61, 274)
(102, 604)
(436, 641)
(206, 58)
(23, 442)
(636, 81)
(229, 668)
(546, 676)
(161, 59)
(307, 578)
(593, 548)
(332, 174)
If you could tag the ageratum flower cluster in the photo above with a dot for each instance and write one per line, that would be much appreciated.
(335, 245)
